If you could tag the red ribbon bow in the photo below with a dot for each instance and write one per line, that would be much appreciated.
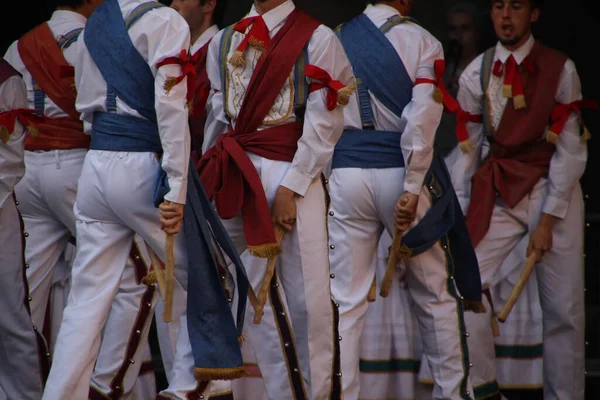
(513, 84)
(562, 112)
(333, 86)
(258, 36)
(188, 68)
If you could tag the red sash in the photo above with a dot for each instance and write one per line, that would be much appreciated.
(47, 65)
(197, 118)
(227, 173)
(519, 156)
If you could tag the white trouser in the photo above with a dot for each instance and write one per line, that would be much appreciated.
(362, 206)
(114, 201)
(20, 374)
(300, 300)
(560, 284)
(250, 387)
(46, 196)
(519, 363)
(390, 345)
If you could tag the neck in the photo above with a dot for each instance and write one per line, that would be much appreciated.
(263, 7)
(516, 46)
(197, 31)
(72, 9)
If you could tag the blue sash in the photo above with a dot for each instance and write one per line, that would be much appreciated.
(388, 80)
(214, 335)
(123, 68)
(368, 149)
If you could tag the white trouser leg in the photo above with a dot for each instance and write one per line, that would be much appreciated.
(439, 314)
(561, 282)
(108, 213)
(145, 385)
(20, 375)
(46, 196)
(167, 332)
(125, 335)
(303, 278)
(354, 232)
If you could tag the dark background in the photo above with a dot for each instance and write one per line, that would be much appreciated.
(570, 26)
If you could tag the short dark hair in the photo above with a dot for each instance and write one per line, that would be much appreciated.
(534, 3)
(69, 3)
(219, 13)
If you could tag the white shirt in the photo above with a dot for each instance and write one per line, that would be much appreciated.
(13, 95)
(61, 22)
(418, 50)
(204, 38)
(569, 160)
(322, 128)
(159, 34)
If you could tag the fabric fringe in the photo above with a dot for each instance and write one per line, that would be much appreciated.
(519, 102)
(265, 250)
(344, 94)
(466, 146)
(438, 96)
(4, 134)
(507, 91)
(33, 131)
(238, 59)
(150, 279)
(551, 137)
(474, 306)
(170, 83)
(586, 135)
(258, 45)
(219, 374)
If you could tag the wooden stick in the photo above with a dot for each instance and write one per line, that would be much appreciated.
(372, 296)
(264, 287)
(516, 292)
(170, 275)
(392, 264)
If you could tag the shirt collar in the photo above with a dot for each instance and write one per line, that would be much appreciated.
(277, 15)
(502, 53)
(381, 10)
(204, 38)
(67, 15)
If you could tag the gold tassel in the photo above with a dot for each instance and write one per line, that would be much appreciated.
(4, 134)
(551, 137)
(258, 45)
(586, 135)
(265, 250)
(238, 59)
(190, 107)
(466, 146)
(170, 83)
(150, 279)
(404, 253)
(507, 91)
(33, 131)
(219, 374)
(475, 306)
(438, 96)
(344, 94)
(519, 102)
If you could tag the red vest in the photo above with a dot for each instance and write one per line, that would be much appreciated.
(202, 89)
(519, 154)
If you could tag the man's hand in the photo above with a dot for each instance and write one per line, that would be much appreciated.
(283, 212)
(405, 211)
(540, 240)
(171, 215)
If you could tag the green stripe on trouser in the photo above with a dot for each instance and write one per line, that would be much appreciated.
(382, 366)
(486, 390)
(520, 352)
